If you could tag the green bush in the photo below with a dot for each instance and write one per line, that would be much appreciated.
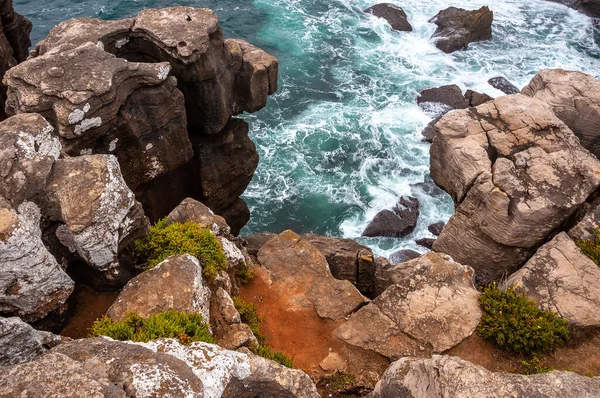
(244, 274)
(250, 317)
(591, 247)
(513, 322)
(171, 324)
(165, 240)
(534, 366)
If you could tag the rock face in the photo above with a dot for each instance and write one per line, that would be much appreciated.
(516, 173)
(588, 7)
(501, 83)
(298, 269)
(456, 28)
(194, 211)
(585, 229)
(103, 367)
(395, 16)
(560, 278)
(174, 284)
(445, 376)
(450, 95)
(431, 303)
(403, 255)
(398, 222)
(575, 99)
(476, 99)
(19, 342)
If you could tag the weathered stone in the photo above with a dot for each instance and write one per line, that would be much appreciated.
(398, 222)
(456, 27)
(19, 342)
(403, 255)
(255, 242)
(436, 228)
(393, 14)
(32, 284)
(588, 7)
(382, 279)
(516, 173)
(175, 284)
(560, 278)
(446, 376)
(236, 336)
(194, 211)
(429, 131)
(585, 229)
(222, 311)
(501, 83)
(450, 95)
(425, 242)
(432, 302)
(575, 98)
(300, 270)
(476, 99)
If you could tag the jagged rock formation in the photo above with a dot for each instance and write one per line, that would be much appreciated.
(450, 95)
(575, 98)
(398, 222)
(501, 83)
(456, 27)
(403, 255)
(19, 342)
(395, 16)
(588, 7)
(445, 376)
(516, 173)
(194, 211)
(560, 278)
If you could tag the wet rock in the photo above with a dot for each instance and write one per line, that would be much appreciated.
(403, 255)
(516, 173)
(395, 16)
(456, 27)
(560, 278)
(32, 284)
(431, 303)
(501, 83)
(192, 210)
(301, 273)
(19, 342)
(175, 284)
(575, 98)
(425, 242)
(476, 99)
(446, 376)
(347, 260)
(429, 131)
(436, 228)
(397, 223)
(450, 95)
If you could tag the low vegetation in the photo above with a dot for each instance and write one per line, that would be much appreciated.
(244, 274)
(250, 317)
(514, 323)
(591, 247)
(171, 324)
(165, 240)
(534, 366)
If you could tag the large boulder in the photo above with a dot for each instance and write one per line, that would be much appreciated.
(575, 98)
(393, 14)
(589, 221)
(450, 95)
(403, 255)
(501, 83)
(516, 173)
(431, 303)
(456, 27)
(397, 222)
(19, 342)
(446, 376)
(560, 278)
(191, 210)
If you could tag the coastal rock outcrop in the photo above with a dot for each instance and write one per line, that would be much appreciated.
(588, 7)
(501, 83)
(575, 98)
(456, 27)
(403, 255)
(516, 173)
(450, 95)
(395, 16)
(398, 222)
(446, 376)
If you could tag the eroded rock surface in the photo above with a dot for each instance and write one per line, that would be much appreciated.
(398, 222)
(19, 342)
(450, 95)
(456, 27)
(192, 210)
(516, 173)
(501, 83)
(393, 14)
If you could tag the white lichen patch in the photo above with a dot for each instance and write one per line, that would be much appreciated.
(201, 300)
(113, 145)
(87, 124)
(85, 151)
(163, 72)
(233, 254)
(152, 380)
(121, 42)
(149, 146)
(76, 116)
(155, 168)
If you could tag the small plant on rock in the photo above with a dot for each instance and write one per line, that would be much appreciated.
(513, 322)
(170, 324)
(165, 240)
(591, 247)
(534, 366)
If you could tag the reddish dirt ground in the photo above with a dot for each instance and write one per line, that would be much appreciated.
(90, 305)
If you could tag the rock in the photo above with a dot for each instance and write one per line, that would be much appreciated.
(192, 210)
(397, 223)
(237, 215)
(585, 229)
(236, 336)
(222, 311)
(425, 242)
(382, 279)
(436, 228)
(560, 278)
(334, 363)
(429, 131)
(476, 99)
(19, 342)
(516, 173)
(450, 95)
(175, 284)
(255, 242)
(501, 83)
(300, 271)
(395, 16)
(589, 7)
(456, 27)
(403, 255)
(575, 98)
(429, 187)
(431, 303)
(99, 212)
(347, 260)
(446, 376)
(32, 284)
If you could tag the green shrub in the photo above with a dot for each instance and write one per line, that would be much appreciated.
(534, 366)
(341, 381)
(244, 274)
(513, 322)
(591, 247)
(171, 324)
(250, 317)
(165, 240)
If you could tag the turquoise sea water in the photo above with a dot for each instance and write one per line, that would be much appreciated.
(341, 138)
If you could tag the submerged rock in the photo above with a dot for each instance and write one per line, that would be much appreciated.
(456, 27)
(395, 16)
(501, 83)
(397, 223)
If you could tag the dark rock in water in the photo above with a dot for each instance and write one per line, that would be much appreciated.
(429, 188)
(476, 98)
(425, 242)
(236, 215)
(397, 223)
(429, 131)
(403, 255)
(450, 95)
(436, 228)
(501, 83)
(395, 16)
(588, 7)
(456, 27)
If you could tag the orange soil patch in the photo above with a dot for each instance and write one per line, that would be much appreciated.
(90, 305)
